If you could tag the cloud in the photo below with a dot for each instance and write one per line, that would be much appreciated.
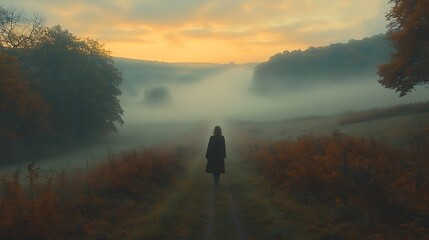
(243, 24)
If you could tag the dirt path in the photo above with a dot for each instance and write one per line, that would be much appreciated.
(193, 209)
(210, 217)
(230, 208)
(240, 230)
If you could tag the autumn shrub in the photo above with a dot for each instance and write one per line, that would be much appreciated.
(85, 204)
(153, 166)
(343, 170)
(23, 111)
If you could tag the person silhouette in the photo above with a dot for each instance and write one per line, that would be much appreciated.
(215, 155)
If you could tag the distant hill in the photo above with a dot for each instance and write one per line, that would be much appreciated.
(318, 65)
(149, 73)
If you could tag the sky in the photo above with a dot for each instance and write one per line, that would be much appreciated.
(217, 31)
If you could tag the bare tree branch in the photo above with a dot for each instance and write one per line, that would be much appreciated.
(17, 30)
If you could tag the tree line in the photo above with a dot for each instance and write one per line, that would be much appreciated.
(335, 63)
(400, 57)
(54, 86)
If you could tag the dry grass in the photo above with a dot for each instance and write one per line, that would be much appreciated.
(379, 113)
(348, 187)
(93, 203)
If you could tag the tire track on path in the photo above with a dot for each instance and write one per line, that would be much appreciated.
(223, 203)
(222, 213)
(234, 214)
(210, 217)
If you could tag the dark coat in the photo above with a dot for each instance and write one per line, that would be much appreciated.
(216, 154)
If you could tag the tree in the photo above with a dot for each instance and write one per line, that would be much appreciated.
(23, 112)
(409, 31)
(78, 78)
(339, 62)
(157, 96)
(17, 30)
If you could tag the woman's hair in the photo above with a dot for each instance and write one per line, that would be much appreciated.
(217, 131)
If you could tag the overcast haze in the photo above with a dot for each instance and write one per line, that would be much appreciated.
(219, 32)
(227, 95)
(211, 30)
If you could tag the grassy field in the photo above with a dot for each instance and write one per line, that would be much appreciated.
(362, 180)
(308, 178)
(397, 130)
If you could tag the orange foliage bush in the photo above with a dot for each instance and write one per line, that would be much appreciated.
(23, 112)
(340, 169)
(153, 167)
(87, 204)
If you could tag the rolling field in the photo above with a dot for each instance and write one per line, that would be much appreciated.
(284, 180)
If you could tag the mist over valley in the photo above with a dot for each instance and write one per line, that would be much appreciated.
(214, 120)
(318, 81)
(160, 100)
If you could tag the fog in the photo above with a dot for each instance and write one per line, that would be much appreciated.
(228, 95)
(214, 98)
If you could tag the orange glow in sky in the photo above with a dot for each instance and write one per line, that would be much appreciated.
(211, 30)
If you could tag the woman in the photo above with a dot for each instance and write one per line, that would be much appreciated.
(216, 155)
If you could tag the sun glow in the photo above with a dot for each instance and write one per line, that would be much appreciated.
(212, 31)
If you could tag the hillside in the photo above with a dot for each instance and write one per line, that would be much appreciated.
(141, 72)
(318, 65)
(327, 186)
(398, 125)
